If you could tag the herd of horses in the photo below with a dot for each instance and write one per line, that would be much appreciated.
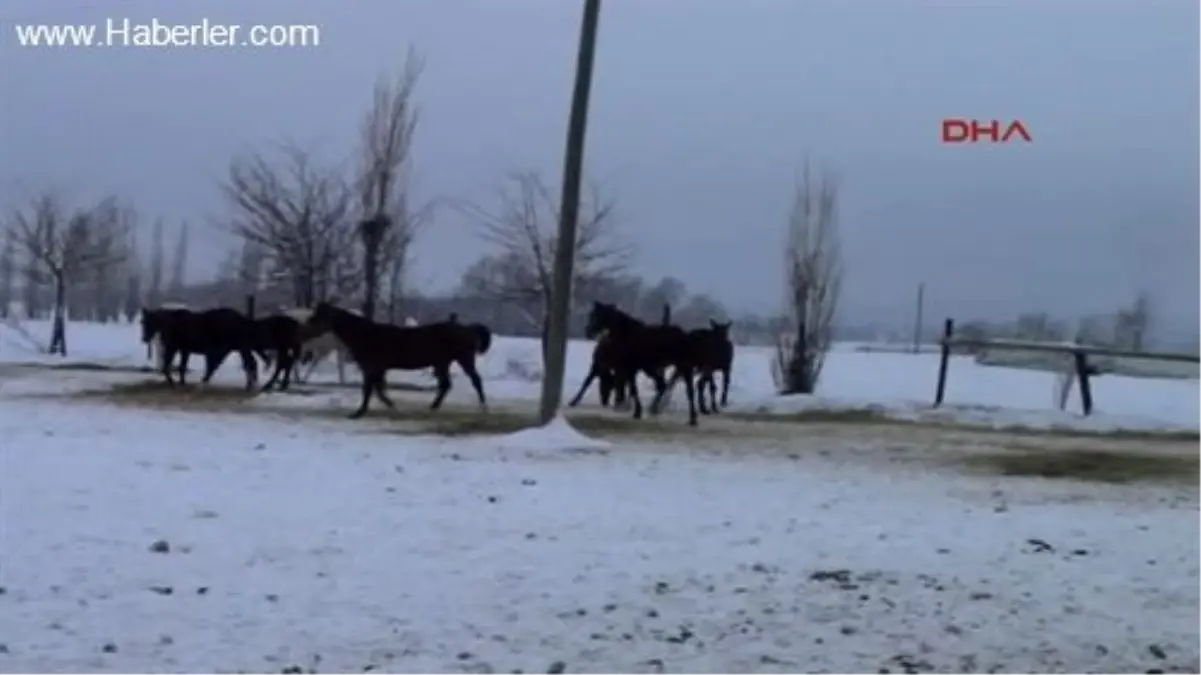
(625, 347)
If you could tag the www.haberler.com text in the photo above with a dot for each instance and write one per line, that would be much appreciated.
(154, 33)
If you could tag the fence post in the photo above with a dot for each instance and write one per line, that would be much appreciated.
(948, 330)
(1086, 387)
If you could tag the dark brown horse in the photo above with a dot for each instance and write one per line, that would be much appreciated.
(609, 387)
(280, 339)
(714, 353)
(380, 347)
(602, 370)
(638, 347)
(213, 333)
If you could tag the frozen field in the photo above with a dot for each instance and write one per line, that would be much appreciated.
(157, 531)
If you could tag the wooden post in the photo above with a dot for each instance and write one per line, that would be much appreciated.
(948, 330)
(1086, 387)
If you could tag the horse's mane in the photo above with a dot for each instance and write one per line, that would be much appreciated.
(623, 318)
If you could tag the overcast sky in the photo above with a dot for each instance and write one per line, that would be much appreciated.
(702, 112)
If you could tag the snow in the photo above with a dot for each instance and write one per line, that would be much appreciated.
(557, 435)
(338, 545)
(299, 539)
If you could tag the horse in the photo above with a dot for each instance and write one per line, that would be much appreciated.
(380, 347)
(601, 369)
(315, 348)
(714, 352)
(154, 348)
(609, 386)
(213, 333)
(283, 337)
(637, 347)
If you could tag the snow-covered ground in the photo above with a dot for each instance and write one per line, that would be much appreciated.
(897, 385)
(182, 539)
(337, 546)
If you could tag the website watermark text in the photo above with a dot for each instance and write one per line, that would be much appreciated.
(161, 34)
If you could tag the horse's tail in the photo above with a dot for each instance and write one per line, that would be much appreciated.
(483, 338)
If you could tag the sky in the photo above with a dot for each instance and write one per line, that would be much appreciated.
(702, 113)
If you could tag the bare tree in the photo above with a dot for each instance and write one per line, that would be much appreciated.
(132, 268)
(297, 213)
(388, 220)
(8, 273)
(63, 245)
(813, 272)
(179, 263)
(154, 294)
(1132, 324)
(523, 227)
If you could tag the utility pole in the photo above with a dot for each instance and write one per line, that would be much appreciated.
(569, 206)
(917, 319)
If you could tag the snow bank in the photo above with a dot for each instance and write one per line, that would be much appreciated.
(558, 434)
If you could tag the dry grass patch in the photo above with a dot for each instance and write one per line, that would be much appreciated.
(843, 416)
(412, 414)
(460, 422)
(160, 395)
(1181, 435)
(84, 367)
(869, 416)
(1082, 464)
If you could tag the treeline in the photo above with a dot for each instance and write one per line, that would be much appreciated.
(1127, 327)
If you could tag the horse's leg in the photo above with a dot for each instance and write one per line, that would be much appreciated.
(183, 365)
(467, 363)
(605, 387)
(312, 365)
(212, 361)
(379, 388)
(690, 390)
(283, 366)
(662, 386)
(725, 386)
(630, 378)
(621, 392)
(442, 373)
(592, 374)
(705, 379)
(341, 361)
(711, 376)
(279, 366)
(167, 357)
(288, 357)
(368, 387)
(250, 367)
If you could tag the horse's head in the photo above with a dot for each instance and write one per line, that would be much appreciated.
(151, 324)
(322, 318)
(602, 319)
(721, 329)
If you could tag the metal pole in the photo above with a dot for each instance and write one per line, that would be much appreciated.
(569, 206)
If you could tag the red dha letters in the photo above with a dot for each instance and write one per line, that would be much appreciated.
(957, 130)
